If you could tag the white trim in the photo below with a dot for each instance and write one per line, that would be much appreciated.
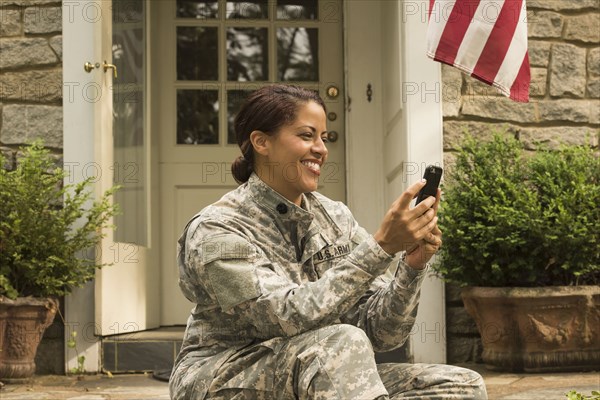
(80, 35)
(421, 119)
(423, 123)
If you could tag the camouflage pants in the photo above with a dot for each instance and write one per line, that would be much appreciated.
(335, 363)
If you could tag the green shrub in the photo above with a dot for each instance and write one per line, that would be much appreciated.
(513, 218)
(45, 226)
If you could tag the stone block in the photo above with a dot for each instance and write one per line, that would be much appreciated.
(567, 71)
(50, 358)
(499, 109)
(544, 24)
(25, 52)
(580, 111)
(453, 293)
(463, 349)
(553, 137)
(10, 22)
(563, 5)
(459, 321)
(539, 77)
(56, 44)
(26, 3)
(593, 87)
(31, 86)
(593, 62)
(456, 131)
(43, 20)
(583, 28)
(9, 158)
(539, 53)
(25, 123)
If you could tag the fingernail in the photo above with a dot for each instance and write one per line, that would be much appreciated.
(423, 180)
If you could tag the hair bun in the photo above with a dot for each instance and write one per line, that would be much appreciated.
(241, 169)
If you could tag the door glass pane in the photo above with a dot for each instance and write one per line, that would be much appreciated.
(298, 54)
(197, 116)
(235, 99)
(197, 53)
(240, 9)
(129, 168)
(247, 54)
(297, 9)
(197, 9)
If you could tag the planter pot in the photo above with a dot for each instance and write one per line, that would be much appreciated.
(22, 324)
(546, 329)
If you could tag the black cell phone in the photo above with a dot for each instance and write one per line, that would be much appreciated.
(432, 174)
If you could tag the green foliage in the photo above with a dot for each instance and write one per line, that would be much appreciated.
(513, 218)
(72, 344)
(574, 395)
(46, 226)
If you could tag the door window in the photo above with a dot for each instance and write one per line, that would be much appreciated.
(226, 49)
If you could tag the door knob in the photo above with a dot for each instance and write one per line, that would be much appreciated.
(89, 67)
(106, 66)
(332, 136)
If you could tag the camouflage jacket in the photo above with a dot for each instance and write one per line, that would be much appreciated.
(260, 269)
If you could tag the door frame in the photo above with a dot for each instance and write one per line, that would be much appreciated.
(422, 144)
(365, 195)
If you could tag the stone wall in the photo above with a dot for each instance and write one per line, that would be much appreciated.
(31, 106)
(564, 53)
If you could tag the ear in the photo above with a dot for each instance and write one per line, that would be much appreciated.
(260, 142)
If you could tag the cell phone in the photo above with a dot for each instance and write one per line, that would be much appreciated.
(433, 175)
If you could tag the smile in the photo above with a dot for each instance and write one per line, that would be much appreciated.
(314, 167)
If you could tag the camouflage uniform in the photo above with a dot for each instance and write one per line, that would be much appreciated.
(292, 302)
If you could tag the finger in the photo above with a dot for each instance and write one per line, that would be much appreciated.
(410, 193)
(427, 229)
(438, 197)
(423, 206)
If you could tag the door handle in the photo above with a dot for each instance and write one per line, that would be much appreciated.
(106, 66)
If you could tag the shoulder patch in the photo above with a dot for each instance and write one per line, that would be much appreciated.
(226, 247)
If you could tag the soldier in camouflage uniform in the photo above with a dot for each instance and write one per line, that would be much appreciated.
(292, 296)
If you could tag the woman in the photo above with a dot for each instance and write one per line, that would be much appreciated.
(292, 296)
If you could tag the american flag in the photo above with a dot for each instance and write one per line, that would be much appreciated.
(484, 38)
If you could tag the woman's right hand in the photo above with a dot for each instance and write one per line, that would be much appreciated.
(403, 228)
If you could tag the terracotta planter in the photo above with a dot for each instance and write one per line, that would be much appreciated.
(537, 329)
(22, 324)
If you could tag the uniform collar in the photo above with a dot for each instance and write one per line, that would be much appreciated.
(278, 205)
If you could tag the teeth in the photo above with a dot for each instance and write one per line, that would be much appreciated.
(312, 165)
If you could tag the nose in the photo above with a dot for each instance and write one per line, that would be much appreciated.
(319, 147)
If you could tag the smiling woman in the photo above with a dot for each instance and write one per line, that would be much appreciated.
(292, 295)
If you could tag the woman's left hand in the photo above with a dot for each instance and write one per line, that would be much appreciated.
(419, 256)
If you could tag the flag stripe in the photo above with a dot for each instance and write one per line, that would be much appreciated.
(519, 91)
(514, 56)
(485, 38)
(475, 38)
(499, 42)
(438, 12)
(456, 27)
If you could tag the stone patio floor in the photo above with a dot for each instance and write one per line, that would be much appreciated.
(501, 386)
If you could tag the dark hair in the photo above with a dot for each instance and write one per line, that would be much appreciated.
(266, 109)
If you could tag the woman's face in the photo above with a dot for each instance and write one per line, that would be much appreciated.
(294, 156)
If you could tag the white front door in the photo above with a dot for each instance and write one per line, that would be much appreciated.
(208, 56)
(125, 291)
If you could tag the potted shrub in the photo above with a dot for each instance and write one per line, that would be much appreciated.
(522, 237)
(45, 226)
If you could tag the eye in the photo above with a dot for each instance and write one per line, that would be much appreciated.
(306, 135)
(325, 138)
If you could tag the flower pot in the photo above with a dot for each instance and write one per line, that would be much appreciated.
(22, 325)
(546, 329)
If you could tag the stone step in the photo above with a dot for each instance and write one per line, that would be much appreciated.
(146, 351)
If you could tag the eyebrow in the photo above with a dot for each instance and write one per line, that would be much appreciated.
(311, 128)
